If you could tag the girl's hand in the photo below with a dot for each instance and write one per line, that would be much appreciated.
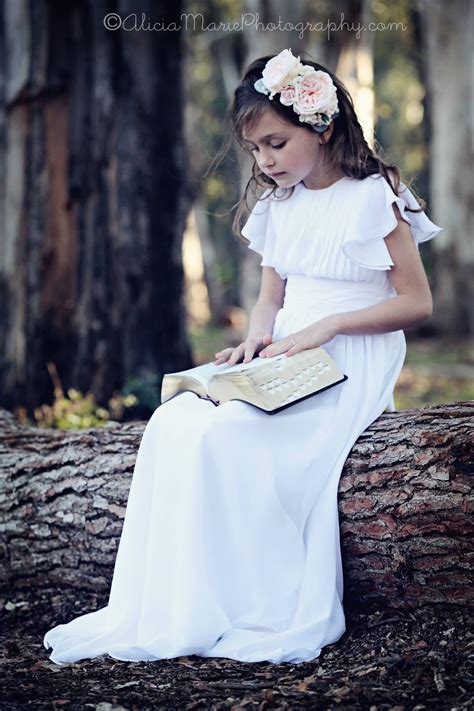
(247, 349)
(310, 337)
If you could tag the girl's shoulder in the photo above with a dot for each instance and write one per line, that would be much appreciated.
(374, 218)
(377, 188)
(366, 204)
(361, 208)
(375, 201)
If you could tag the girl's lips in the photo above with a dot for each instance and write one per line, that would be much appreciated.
(277, 175)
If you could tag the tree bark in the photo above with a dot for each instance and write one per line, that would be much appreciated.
(404, 499)
(93, 199)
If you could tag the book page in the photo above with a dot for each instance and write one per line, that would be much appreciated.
(255, 363)
(203, 373)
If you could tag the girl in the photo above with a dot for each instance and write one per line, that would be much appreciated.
(230, 545)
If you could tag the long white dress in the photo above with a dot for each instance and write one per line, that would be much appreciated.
(230, 544)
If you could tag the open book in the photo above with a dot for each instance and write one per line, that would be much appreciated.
(271, 384)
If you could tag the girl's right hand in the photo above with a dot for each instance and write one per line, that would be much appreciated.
(246, 350)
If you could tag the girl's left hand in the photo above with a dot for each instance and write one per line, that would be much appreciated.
(310, 337)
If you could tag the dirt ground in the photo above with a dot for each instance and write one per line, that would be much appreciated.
(385, 660)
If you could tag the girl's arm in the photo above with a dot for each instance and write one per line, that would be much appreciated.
(269, 302)
(261, 321)
(412, 305)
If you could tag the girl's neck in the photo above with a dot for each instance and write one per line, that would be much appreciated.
(325, 180)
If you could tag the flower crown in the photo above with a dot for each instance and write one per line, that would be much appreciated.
(311, 93)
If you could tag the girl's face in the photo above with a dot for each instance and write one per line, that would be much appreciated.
(287, 153)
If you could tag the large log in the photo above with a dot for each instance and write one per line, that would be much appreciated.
(404, 505)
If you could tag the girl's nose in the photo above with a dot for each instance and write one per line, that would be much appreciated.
(267, 162)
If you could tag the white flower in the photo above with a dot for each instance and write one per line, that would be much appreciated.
(281, 70)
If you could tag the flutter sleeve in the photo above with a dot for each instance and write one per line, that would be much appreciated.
(260, 233)
(375, 219)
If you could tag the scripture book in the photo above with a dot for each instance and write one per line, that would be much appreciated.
(271, 384)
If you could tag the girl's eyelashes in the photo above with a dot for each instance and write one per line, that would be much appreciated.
(280, 145)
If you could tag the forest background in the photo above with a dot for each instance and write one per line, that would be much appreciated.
(117, 259)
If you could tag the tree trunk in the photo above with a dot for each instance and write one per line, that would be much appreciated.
(449, 52)
(355, 63)
(94, 207)
(404, 499)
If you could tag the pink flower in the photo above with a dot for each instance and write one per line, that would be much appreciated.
(310, 92)
(316, 93)
(288, 95)
(280, 70)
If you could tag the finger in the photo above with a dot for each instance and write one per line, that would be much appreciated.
(249, 353)
(276, 348)
(267, 339)
(222, 356)
(251, 347)
(283, 345)
(295, 349)
(236, 355)
(234, 358)
(302, 342)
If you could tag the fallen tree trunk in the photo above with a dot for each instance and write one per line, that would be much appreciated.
(404, 506)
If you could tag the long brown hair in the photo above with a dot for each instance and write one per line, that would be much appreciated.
(347, 149)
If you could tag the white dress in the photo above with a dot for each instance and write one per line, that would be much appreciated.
(230, 545)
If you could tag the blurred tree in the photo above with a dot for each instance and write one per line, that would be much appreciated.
(93, 201)
(355, 64)
(402, 106)
(212, 59)
(401, 113)
(449, 57)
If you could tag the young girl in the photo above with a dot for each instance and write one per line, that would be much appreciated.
(230, 545)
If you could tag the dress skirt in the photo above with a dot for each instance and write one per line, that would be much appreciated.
(230, 545)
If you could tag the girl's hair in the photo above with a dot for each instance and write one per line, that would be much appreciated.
(347, 149)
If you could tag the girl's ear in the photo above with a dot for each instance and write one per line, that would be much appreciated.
(327, 134)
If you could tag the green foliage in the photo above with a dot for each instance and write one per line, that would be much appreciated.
(77, 411)
(139, 397)
(146, 389)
